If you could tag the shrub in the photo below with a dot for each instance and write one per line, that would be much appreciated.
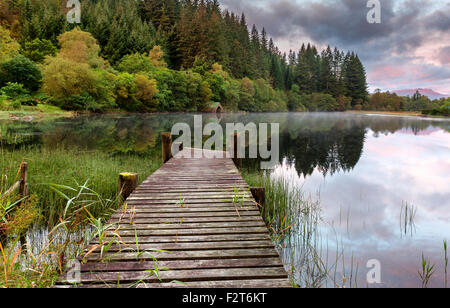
(73, 84)
(21, 70)
(81, 47)
(135, 63)
(14, 90)
(9, 48)
(16, 104)
(28, 102)
(37, 50)
(146, 91)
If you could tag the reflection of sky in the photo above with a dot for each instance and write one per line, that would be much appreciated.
(364, 205)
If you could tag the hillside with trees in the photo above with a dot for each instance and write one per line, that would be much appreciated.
(386, 101)
(164, 55)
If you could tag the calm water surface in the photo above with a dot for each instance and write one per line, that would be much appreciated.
(364, 169)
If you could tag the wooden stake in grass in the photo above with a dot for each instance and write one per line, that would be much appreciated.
(166, 139)
(23, 190)
(259, 193)
(127, 184)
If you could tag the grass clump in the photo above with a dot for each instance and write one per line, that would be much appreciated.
(69, 167)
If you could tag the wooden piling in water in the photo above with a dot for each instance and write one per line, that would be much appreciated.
(237, 161)
(127, 184)
(166, 139)
(259, 193)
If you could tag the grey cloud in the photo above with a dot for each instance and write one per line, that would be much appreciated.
(405, 25)
(444, 55)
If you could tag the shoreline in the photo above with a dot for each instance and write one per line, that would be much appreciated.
(396, 113)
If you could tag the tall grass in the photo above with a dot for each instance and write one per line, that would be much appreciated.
(295, 222)
(69, 167)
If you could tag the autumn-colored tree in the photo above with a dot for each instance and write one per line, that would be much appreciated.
(146, 90)
(80, 47)
(156, 55)
(9, 48)
(64, 77)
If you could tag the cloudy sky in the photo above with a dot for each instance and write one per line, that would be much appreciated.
(409, 49)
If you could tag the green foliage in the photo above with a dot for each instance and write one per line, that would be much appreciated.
(71, 83)
(135, 63)
(187, 53)
(319, 102)
(386, 102)
(9, 48)
(38, 49)
(21, 70)
(14, 90)
(442, 109)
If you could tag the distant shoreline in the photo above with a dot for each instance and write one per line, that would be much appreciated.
(397, 113)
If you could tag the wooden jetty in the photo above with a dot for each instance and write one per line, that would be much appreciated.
(193, 223)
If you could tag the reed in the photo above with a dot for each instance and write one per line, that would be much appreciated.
(426, 272)
(445, 265)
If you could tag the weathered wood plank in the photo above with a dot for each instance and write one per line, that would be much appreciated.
(186, 275)
(188, 238)
(184, 255)
(127, 226)
(180, 264)
(192, 246)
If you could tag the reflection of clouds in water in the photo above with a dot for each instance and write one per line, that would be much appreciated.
(394, 168)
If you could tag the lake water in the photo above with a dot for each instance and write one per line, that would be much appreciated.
(366, 171)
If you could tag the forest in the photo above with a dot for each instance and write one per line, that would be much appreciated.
(164, 56)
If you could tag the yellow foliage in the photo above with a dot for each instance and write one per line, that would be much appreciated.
(146, 90)
(23, 217)
(63, 77)
(9, 48)
(81, 47)
(247, 86)
(217, 68)
(156, 55)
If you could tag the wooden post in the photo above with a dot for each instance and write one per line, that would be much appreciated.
(237, 161)
(23, 193)
(23, 189)
(259, 193)
(127, 184)
(166, 139)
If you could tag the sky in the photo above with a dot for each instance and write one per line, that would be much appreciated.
(409, 49)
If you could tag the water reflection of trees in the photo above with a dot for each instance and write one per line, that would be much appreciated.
(328, 142)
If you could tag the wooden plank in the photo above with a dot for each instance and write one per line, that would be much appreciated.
(208, 231)
(180, 264)
(145, 205)
(185, 275)
(141, 220)
(191, 246)
(187, 238)
(127, 226)
(151, 214)
(241, 284)
(184, 255)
